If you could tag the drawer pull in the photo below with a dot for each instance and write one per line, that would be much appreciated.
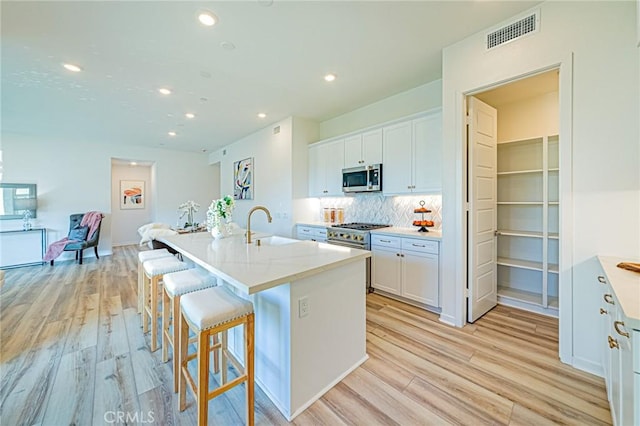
(601, 279)
(385, 241)
(603, 311)
(617, 325)
(609, 299)
(613, 343)
(418, 245)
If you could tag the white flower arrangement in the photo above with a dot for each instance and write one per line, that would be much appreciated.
(188, 208)
(218, 210)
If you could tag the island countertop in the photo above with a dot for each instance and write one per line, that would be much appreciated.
(252, 268)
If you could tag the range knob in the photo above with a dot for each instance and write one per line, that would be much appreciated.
(360, 238)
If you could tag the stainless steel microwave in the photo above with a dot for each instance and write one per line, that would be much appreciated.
(362, 178)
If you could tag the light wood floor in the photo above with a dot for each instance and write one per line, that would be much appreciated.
(72, 352)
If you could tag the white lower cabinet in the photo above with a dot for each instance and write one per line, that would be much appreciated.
(621, 360)
(406, 267)
(312, 233)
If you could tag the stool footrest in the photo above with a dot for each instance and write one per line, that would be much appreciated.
(222, 389)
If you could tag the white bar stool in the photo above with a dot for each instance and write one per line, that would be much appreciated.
(207, 313)
(143, 256)
(177, 284)
(154, 270)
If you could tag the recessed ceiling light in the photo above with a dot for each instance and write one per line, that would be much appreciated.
(133, 163)
(207, 18)
(262, 115)
(172, 133)
(72, 67)
(330, 77)
(190, 115)
(164, 91)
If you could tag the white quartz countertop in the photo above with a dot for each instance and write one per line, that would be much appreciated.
(409, 232)
(253, 268)
(626, 286)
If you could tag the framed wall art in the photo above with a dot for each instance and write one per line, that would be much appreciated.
(132, 195)
(243, 179)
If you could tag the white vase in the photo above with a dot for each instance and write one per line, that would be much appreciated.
(223, 230)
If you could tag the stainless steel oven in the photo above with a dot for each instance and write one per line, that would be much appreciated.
(354, 235)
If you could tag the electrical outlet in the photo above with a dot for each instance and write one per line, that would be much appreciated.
(303, 307)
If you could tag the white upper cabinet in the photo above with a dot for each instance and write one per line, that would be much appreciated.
(412, 152)
(325, 169)
(397, 154)
(363, 149)
(427, 141)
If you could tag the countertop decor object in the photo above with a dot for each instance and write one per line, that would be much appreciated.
(422, 223)
(219, 216)
(188, 208)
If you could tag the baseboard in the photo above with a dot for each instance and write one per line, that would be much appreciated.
(587, 366)
(448, 319)
(326, 389)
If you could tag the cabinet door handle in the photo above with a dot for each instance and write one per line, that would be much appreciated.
(609, 299)
(617, 325)
(402, 255)
(601, 279)
(613, 343)
(408, 186)
(603, 311)
(398, 254)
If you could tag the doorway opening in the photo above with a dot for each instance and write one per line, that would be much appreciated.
(513, 196)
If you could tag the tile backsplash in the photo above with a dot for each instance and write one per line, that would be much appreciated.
(376, 208)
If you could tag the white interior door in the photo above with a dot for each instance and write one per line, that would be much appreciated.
(482, 280)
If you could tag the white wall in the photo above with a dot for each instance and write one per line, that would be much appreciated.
(125, 223)
(418, 99)
(274, 171)
(529, 118)
(599, 66)
(75, 176)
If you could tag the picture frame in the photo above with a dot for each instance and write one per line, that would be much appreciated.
(243, 179)
(132, 194)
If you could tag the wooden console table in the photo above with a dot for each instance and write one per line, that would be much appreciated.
(22, 248)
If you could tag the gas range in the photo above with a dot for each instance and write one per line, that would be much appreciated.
(354, 235)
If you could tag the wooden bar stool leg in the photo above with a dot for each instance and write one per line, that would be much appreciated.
(145, 301)
(166, 322)
(154, 312)
(140, 278)
(203, 378)
(176, 341)
(184, 344)
(223, 359)
(248, 360)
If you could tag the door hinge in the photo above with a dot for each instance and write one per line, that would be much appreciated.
(467, 119)
(466, 206)
(466, 292)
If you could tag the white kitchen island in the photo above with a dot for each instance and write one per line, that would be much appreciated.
(309, 301)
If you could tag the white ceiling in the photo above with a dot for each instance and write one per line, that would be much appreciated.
(128, 49)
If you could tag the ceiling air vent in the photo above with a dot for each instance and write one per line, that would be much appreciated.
(527, 25)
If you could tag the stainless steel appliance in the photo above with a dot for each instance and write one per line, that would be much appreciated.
(354, 235)
(362, 178)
